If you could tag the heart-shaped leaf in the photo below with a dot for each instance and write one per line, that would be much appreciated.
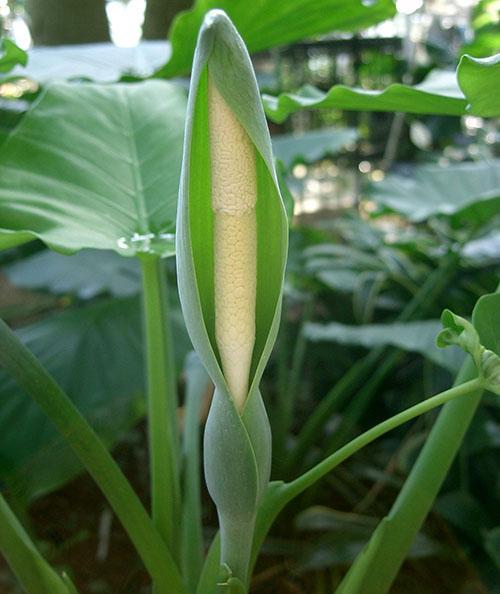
(94, 166)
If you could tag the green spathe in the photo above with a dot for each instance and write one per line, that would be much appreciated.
(237, 443)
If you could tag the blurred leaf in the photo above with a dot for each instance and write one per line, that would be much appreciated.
(99, 62)
(416, 337)
(266, 23)
(95, 354)
(309, 147)
(473, 88)
(95, 166)
(492, 544)
(322, 256)
(86, 274)
(12, 56)
(438, 94)
(485, 21)
(346, 281)
(483, 251)
(479, 79)
(318, 518)
(465, 190)
(464, 512)
(346, 536)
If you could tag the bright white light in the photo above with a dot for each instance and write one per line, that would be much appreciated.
(125, 21)
(408, 6)
(21, 33)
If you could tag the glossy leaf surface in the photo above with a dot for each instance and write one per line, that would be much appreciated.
(95, 166)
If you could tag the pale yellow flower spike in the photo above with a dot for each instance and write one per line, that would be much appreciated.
(234, 195)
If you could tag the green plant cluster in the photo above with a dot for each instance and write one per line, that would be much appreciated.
(90, 225)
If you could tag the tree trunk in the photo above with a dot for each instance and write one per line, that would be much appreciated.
(159, 16)
(61, 22)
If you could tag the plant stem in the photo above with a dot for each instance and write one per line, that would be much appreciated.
(279, 494)
(314, 474)
(41, 386)
(162, 405)
(34, 573)
(374, 571)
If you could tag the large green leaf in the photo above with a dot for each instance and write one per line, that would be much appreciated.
(95, 354)
(479, 79)
(418, 337)
(469, 191)
(439, 94)
(267, 23)
(311, 146)
(95, 166)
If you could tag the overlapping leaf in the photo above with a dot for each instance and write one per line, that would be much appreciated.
(95, 354)
(475, 92)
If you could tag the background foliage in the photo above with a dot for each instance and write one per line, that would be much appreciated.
(396, 217)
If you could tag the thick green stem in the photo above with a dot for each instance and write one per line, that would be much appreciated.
(34, 573)
(280, 494)
(374, 571)
(376, 567)
(162, 405)
(41, 386)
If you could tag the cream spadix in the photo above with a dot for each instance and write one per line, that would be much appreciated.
(234, 196)
(231, 243)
